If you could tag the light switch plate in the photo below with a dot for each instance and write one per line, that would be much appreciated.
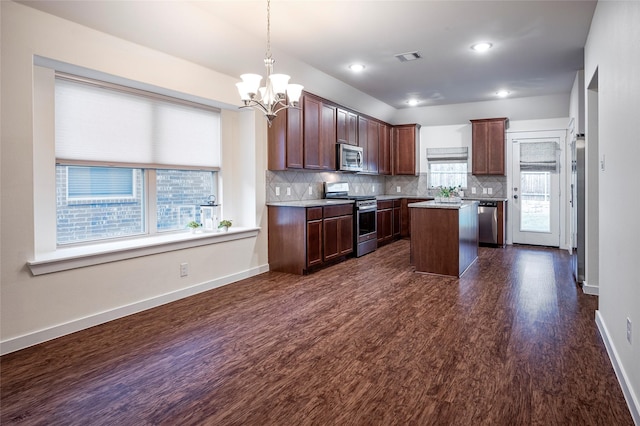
(398, 189)
(288, 190)
(490, 191)
(473, 189)
(277, 191)
(484, 190)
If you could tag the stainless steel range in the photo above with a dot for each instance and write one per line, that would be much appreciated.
(365, 216)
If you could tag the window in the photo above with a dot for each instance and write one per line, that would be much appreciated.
(94, 183)
(448, 166)
(129, 162)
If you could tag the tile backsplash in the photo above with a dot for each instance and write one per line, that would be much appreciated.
(308, 185)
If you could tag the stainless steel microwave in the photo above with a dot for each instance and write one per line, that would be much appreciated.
(350, 158)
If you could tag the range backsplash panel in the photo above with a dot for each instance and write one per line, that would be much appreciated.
(299, 182)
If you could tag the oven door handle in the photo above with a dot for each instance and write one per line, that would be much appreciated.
(367, 208)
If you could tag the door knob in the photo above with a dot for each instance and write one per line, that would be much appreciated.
(515, 196)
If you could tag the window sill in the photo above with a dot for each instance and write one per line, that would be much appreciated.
(78, 257)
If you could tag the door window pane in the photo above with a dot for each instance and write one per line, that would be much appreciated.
(535, 201)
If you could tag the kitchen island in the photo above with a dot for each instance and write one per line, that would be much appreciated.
(444, 236)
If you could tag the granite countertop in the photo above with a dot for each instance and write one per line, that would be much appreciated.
(439, 205)
(310, 203)
(485, 198)
(399, 196)
(324, 202)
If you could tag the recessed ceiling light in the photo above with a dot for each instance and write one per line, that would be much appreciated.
(413, 102)
(481, 47)
(503, 93)
(356, 67)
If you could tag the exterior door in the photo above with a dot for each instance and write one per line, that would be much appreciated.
(536, 191)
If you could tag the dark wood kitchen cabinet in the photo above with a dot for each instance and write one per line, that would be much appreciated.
(303, 137)
(314, 236)
(388, 221)
(368, 140)
(319, 133)
(384, 223)
(384, 149)
(285, 148)
(302, 239)
(488, 146)
(397, 222)
(406, 147)
(405, 217)
(346, 126)
(338, 231)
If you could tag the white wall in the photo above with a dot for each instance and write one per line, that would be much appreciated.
(613, 52)
(42, 307)
(532, 108)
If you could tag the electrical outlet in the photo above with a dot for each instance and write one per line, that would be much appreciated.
(484, 190)
(490, 191)
(310, 190)
(629, 330)
(357, 189)
(398, 189)
(473, 189)
(184, 269)
(602, 163)
(288, 190)
(277, 191)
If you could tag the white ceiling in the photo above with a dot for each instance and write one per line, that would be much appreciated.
(537, 45)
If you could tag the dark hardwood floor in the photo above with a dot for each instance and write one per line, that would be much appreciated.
(365, 342)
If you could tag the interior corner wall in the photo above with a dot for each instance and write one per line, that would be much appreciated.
(613, 53)
(35, 308)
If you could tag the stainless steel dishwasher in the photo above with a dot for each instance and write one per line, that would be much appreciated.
(488, 222)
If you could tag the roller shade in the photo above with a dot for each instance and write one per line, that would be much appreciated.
(452, 154)
(96, 122)
(539, 156)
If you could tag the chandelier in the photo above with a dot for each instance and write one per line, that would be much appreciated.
(277, 94)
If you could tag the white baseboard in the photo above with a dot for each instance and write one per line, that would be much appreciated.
(629, 395)
(590, 289)
(24, 341)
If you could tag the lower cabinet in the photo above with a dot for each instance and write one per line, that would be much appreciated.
(388, 221)
(405, 217)
(303, 238)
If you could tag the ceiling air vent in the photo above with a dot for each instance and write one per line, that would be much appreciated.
(409, 56)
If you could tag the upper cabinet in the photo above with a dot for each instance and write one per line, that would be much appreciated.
(319, 133)
(488, 146)
(384, 149)
(286, 148)
(306, 137)
(347, 126)
(405, 149)
(368, 140)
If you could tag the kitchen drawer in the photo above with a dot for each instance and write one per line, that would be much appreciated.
(339, 210)
(314, 213)
(386, 204)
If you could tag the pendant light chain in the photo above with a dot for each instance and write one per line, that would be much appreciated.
(268, 29)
